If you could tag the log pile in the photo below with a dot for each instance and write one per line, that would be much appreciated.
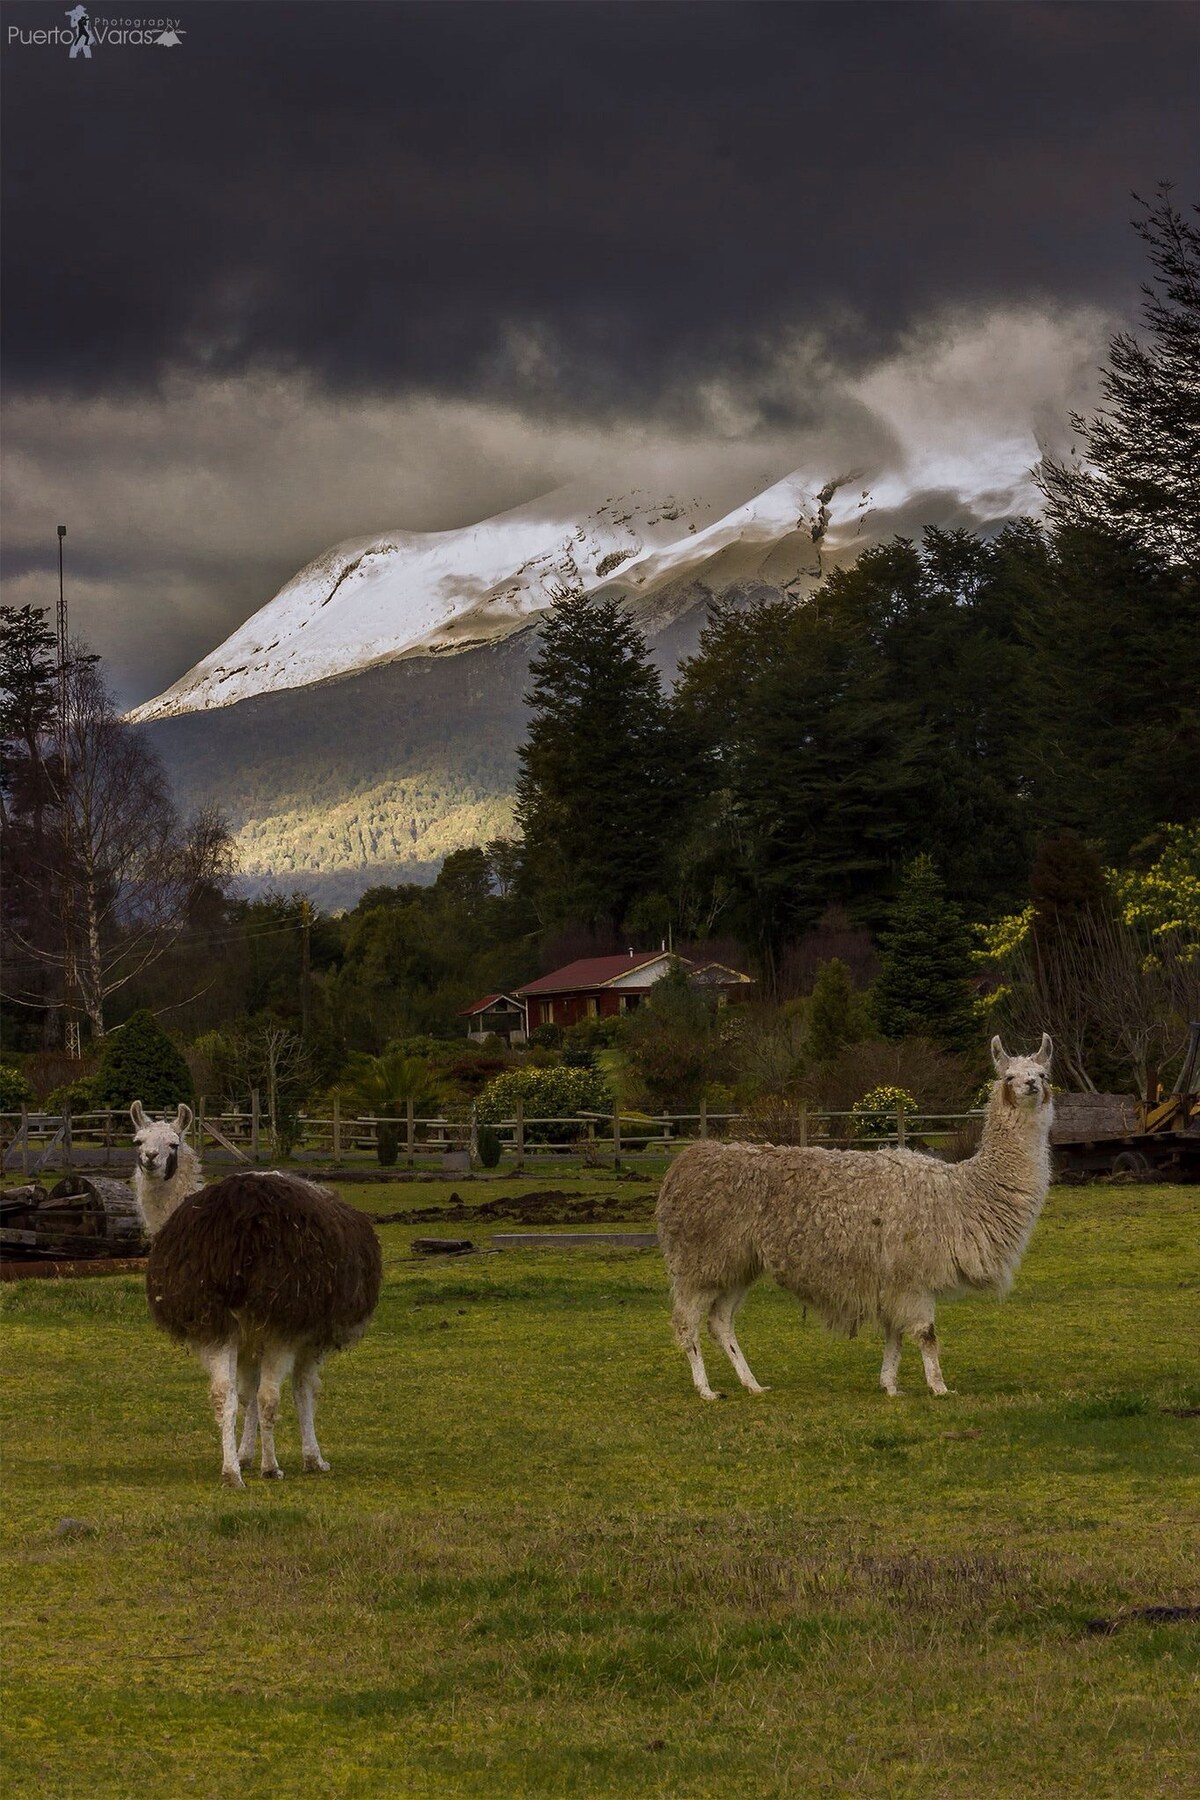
(81, 1216)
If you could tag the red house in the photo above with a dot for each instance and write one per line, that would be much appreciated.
(595, 987)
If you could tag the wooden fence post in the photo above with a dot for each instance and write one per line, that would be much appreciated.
(520, 1144)
(337, 1129)
(255, 1119)
(410, 1130)
(66, 1130)
(616, 1124)
(108, 1139)
(200, 1106)
(803, 1122)
(24, 1141)
(900, 1126)
(703, 1116)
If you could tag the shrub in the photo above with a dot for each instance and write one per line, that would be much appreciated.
(595, 1034)
(545, 1094)
(78, 1095)
(387, 1145)
(875, 1114)
(15, 1091)
(287, 1128)
(546, 1037)
(139, 1061)
(471, 1070)
(489, 1146)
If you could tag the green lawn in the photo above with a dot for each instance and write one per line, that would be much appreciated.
(542, 1566)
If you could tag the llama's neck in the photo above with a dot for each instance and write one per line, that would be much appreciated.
(157, 1198)
(1003, 1191)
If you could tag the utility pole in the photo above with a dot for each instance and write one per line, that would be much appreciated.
(305, 966)
(71, 1042)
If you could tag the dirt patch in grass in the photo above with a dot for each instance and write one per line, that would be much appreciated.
(545, 1206)
(57, 1269)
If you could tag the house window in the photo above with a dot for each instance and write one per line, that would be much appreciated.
(546, 1010)
(593, 1007)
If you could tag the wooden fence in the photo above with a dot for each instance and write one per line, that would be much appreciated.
(32, 1141)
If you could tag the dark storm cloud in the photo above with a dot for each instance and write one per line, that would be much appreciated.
(580, 204)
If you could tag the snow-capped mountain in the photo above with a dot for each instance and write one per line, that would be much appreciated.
(372, 600)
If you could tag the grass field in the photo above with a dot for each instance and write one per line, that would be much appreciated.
(542, 1566)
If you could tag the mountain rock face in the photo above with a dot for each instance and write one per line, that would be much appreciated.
(365, 721)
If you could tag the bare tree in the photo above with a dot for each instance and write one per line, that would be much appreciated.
(123, 869)
(1104, 984)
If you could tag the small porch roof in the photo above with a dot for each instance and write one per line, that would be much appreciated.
(488, 1002)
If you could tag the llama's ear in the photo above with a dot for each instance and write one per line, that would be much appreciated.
(1045, 1052)
(183, 1119)
(1000, 1056)
(138, 1116)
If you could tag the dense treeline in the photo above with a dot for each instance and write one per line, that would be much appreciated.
(962, 698)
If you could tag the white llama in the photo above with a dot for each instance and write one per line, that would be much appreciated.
(861, 1236)
(166, 1169)
(261, 1274)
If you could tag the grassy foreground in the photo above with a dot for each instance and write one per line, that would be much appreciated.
(543, 1567)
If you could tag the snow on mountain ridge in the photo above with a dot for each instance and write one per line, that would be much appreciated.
(369, 600)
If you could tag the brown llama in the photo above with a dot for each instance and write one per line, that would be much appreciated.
(262, 1275)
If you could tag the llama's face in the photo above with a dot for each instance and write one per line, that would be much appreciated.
(156, 1142)
(1025, 1079)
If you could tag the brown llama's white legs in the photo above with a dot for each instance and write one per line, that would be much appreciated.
(686, 1319)
(248, 1375)
(221, 1362)
(720, 1324)
(927, 1338)
(891, 1363)
(306, 1385)
(276, 1367)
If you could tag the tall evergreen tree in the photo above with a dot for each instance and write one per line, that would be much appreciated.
(600, 785)
(838, 1016)
(1140, 471)
(924, 987)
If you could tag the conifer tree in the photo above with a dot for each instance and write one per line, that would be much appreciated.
(598, 795)
(1140, 473)
(924, 987)
(838, 1016)
(140, 1062)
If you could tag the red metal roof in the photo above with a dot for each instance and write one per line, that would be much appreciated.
(591, 972)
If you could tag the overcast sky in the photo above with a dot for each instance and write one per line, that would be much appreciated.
(324, 270)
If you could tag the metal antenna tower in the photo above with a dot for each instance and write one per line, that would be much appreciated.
(71, 1042)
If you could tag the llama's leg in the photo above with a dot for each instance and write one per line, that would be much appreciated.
(306, 1385)
(221, 1362)
(688, 1313)
(276, 1367)
(248, 1377)
(926, 1337)
(720, 1324)
(891, 1362)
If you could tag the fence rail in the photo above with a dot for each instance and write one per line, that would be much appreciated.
(33, 1140)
